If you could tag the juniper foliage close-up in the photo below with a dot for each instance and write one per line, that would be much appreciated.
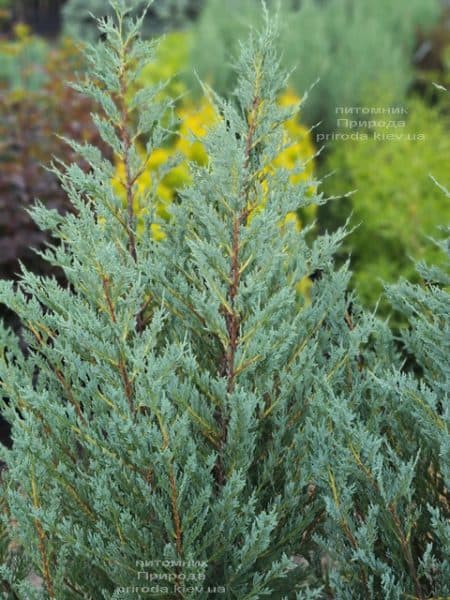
(188, 423)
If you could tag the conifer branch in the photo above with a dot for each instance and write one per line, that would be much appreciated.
(56, 371)
(406, 548)
(69, 393)
(127, 144)
(174, 503)
(232, 317)
(42, 542)
(344, 525)
(175, 512)
(122, 366)
(405, 544)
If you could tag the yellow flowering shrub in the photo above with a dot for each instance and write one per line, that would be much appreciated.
(172, 55)
(194, 121)
(297, 155)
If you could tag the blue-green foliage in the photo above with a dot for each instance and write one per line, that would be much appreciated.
(183, 417)
(427, 308)
(389, 472)
(79, 22)
(427, 339)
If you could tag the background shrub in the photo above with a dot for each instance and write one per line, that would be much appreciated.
(353, 46)
(162, 15)
(432, 59)
(35, 103)
(394, 207)
(23, 57)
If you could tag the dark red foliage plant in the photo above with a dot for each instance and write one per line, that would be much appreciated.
(29, 119)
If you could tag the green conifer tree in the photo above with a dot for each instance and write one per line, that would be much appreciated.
(159, 412)
(387, 464)
(184, 419)
(427, 418)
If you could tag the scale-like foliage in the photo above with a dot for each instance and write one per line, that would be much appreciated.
(427, 340)
(388, 473)
(182, 413)
(162, 400)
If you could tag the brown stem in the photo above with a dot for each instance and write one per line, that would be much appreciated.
(141, 321)
(232, 316)
(42, 540)
(111, 309)
(66, 386)
(174, 505)
(59, 375)
(397, 523)
(127, 385)
(407, 552)
(176, 514)
(129, 181)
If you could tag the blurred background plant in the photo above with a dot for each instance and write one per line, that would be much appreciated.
(43, 15)
(394, 206)
(168, 167)
(162, 15)
(22, 60)
(349, 44)
(35, 103)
